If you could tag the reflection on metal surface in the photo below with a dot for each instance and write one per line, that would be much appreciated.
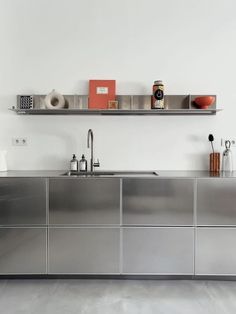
(84, 250)
(158, 250)
(158, 202)
(23, 250)
(22, 201)
(93, 201)
(215, 253)
(216, 202)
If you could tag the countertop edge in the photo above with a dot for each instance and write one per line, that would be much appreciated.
(195, 174)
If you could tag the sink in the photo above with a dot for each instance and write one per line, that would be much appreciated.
(88, 173)
(136, 173)
(109, 173)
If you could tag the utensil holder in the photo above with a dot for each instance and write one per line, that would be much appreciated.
(215, 162)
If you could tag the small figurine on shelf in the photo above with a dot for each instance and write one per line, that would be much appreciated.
(112, 104)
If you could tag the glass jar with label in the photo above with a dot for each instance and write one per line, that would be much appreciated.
(158, 95)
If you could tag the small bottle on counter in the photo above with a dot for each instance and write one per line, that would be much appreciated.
(83, 164)
(74, 163)
(158, 95)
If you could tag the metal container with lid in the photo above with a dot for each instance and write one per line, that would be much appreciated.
(158, 95)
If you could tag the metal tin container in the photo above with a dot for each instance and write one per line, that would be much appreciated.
(158, 95)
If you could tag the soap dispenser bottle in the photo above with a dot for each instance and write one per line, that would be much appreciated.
(74, 163)
(227, 160)
(83, 164)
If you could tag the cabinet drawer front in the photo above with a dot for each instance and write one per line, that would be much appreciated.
(84, 201)
(158, 202)
(215, 251)
(158, 250)
(84, 250)
(23, 250)
(22, 201)
(216, 201)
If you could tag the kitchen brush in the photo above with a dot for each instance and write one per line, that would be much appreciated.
(211, 139)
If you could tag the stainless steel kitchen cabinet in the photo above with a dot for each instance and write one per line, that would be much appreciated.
(216, 201)
(84, 250)
(84, 201)
(23, 250)
(215, 251)
(22, 201)
(158, 202)
(153, 250)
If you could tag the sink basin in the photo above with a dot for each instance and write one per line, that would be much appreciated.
(88, 173)
(136, 173)
(109, 173)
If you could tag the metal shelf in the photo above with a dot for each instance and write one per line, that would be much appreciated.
(127, 104)
(152, 112)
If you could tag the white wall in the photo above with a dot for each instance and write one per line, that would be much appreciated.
(48, 44)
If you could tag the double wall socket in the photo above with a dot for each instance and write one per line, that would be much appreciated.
(233, 142)
(19, 141)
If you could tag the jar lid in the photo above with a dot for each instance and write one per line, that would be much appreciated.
(158, 82)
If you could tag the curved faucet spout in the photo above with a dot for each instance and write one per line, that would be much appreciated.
(90, 145)
(90, 135)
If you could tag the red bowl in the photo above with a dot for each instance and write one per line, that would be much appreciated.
(204, 102)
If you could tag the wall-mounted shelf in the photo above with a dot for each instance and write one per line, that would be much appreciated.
(127, 105)
(116, 112)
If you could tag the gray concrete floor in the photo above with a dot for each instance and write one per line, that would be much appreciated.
(117, 296)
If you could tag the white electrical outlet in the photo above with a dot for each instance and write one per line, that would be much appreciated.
(233, 142)
(19, 141)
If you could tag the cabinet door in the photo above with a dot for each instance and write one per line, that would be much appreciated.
(23, 250)
(158, 250)
(22, 201)
(158, 202)
(216, 201)
(84, 250)
(84, 201)
(215, 251)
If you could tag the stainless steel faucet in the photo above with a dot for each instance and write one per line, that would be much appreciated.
(90, 145)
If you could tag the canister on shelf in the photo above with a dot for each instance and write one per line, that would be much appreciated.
(158, 95)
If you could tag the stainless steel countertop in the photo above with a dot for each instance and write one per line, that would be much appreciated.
(161, 174)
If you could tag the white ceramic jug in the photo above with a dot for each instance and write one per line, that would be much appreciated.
(3, 161)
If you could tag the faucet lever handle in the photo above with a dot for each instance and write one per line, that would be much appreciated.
(97, 163)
